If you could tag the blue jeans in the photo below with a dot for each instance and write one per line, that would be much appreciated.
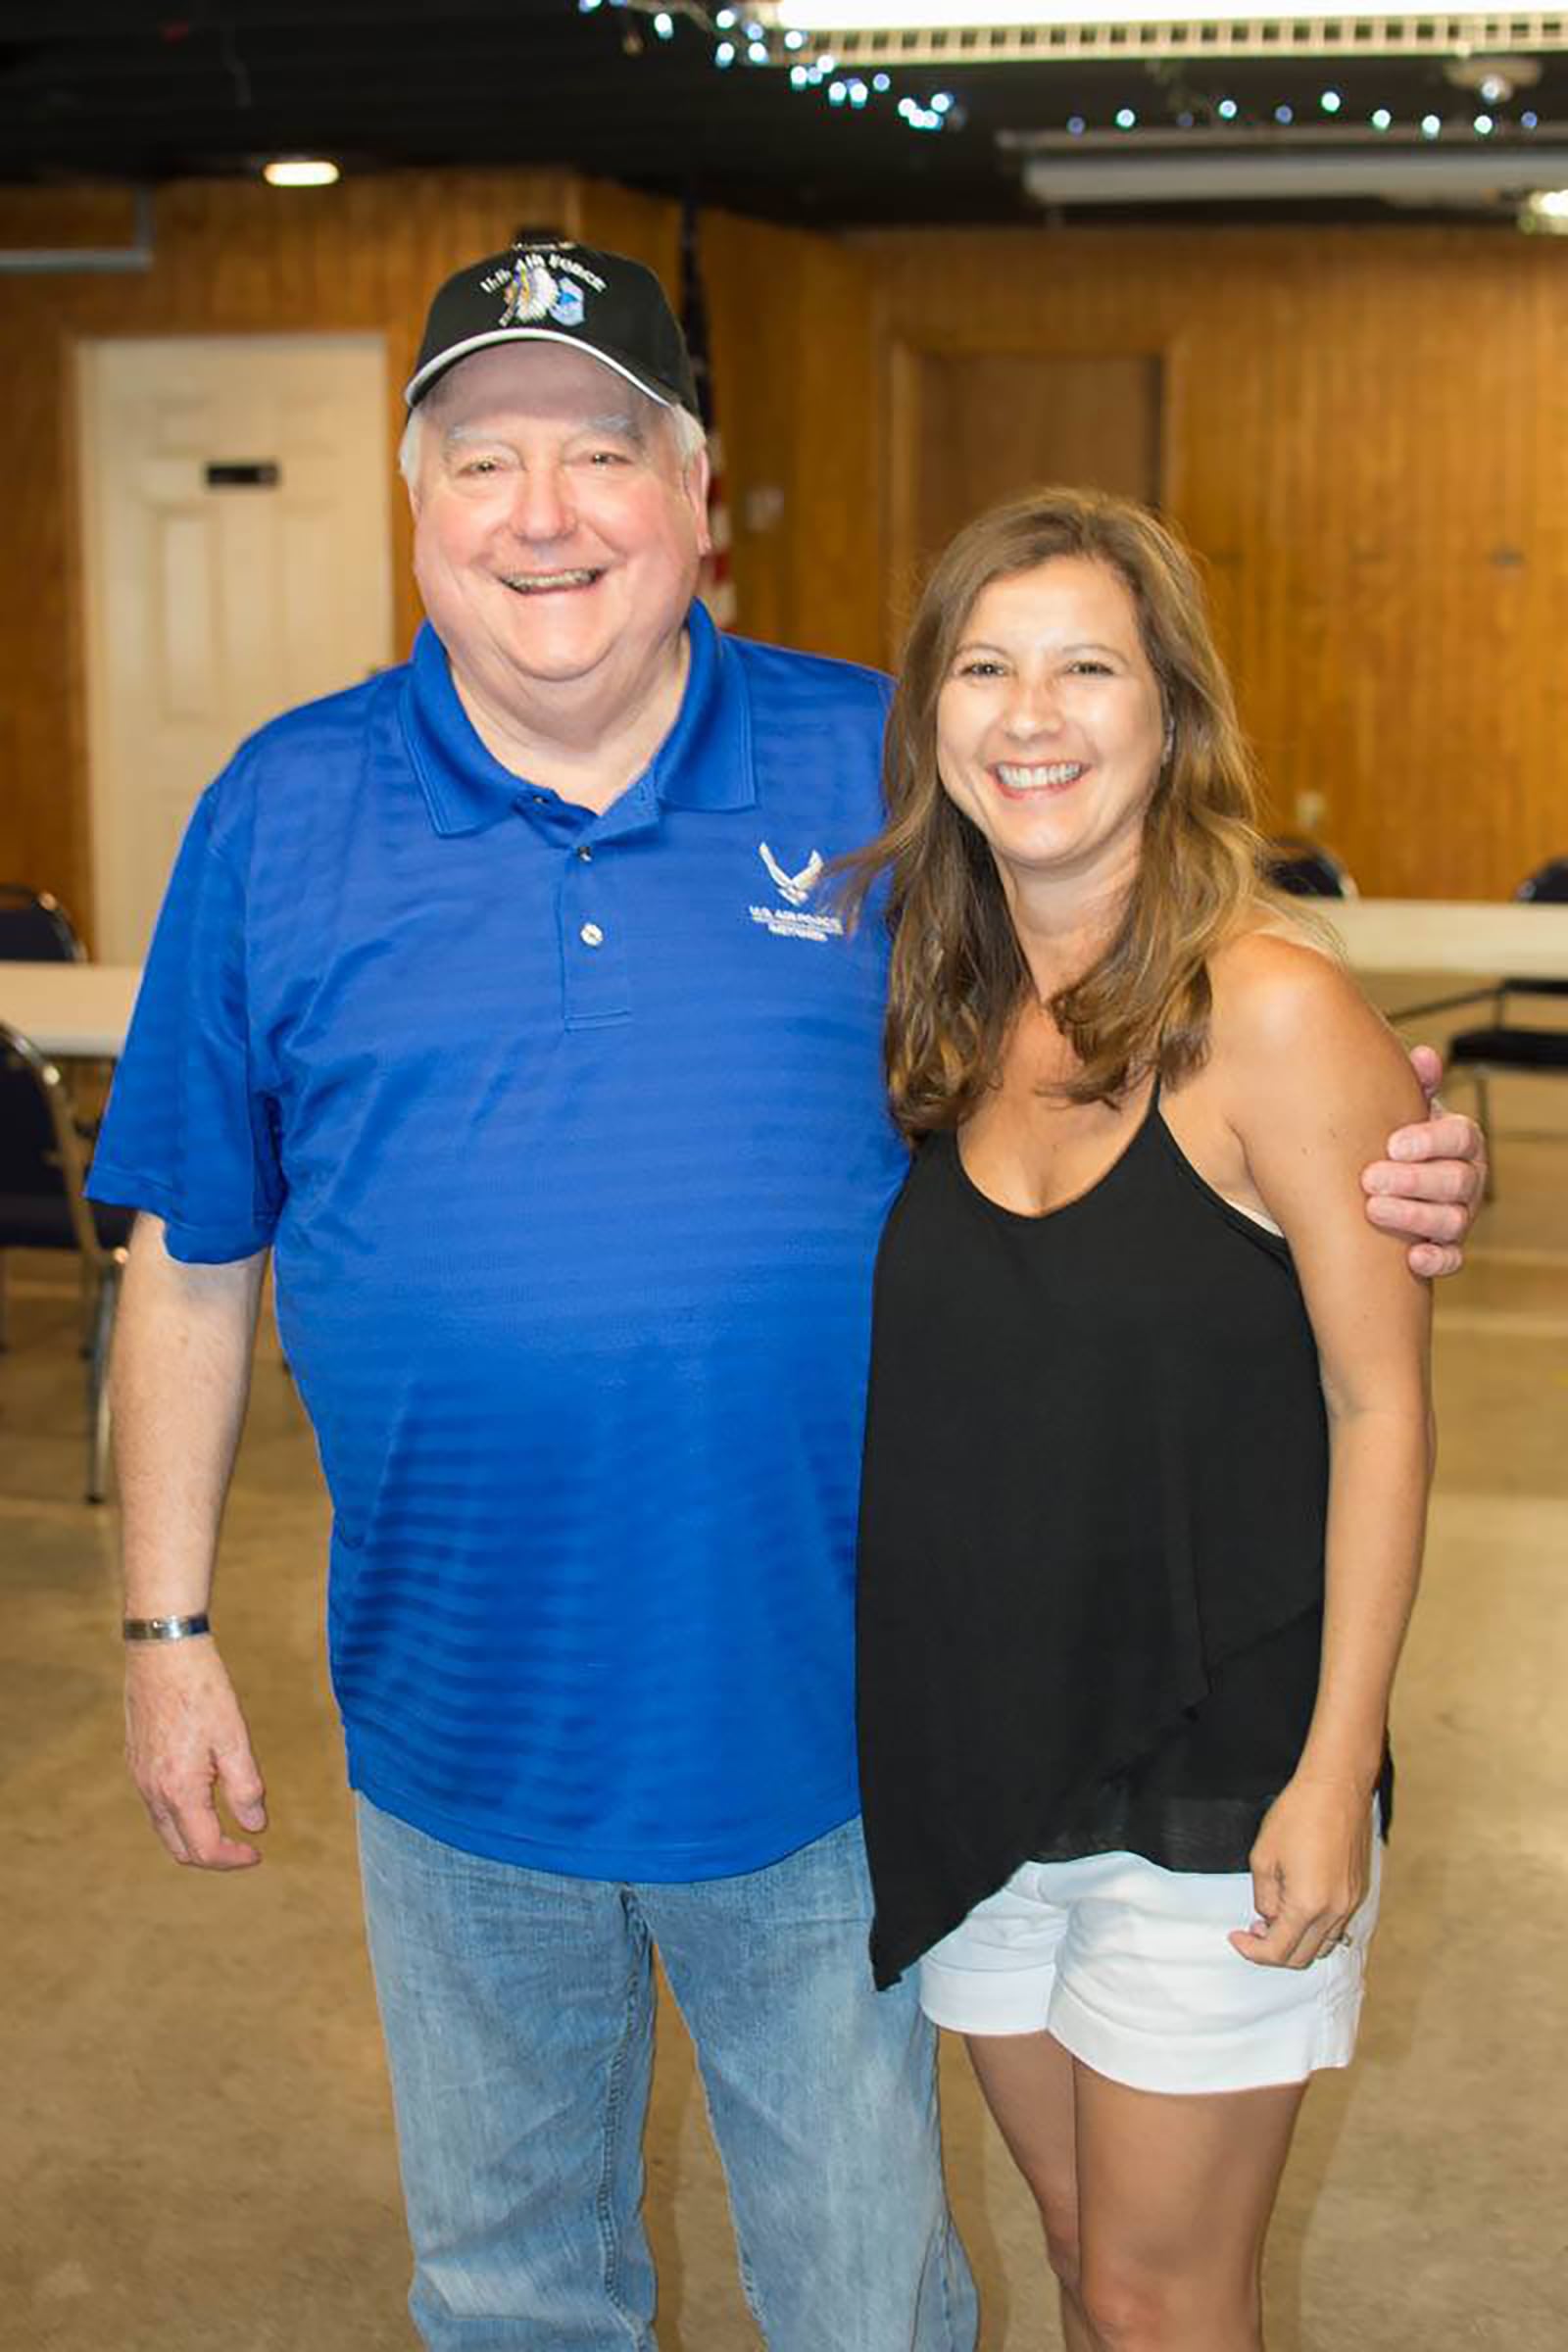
(518, 2013)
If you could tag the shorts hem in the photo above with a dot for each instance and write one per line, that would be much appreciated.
(1023, 2013)
(1324, 2040)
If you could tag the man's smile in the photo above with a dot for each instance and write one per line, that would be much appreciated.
(546, 583)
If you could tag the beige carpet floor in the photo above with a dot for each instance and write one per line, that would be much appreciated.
(195, 2149)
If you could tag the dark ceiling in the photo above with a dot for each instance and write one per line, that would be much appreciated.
(110, 89)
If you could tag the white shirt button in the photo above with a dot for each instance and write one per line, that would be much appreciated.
(591, 936)
(586, 855)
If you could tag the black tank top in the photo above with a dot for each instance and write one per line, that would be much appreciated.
(1092, 1534)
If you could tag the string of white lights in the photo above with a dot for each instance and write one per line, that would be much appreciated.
(851, 51)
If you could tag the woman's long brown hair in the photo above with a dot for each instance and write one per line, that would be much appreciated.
(958, 976)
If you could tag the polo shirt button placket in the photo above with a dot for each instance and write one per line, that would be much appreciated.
(592, 961)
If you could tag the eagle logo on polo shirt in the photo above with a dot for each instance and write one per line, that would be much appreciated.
(793, 889)
(792, 920)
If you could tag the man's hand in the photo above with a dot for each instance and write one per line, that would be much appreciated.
(185, 1742)
(1432, 1179)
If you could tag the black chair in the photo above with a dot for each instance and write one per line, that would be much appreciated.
(1305, 869)
(1504, 1045)
(42, 1206)
(34, 928)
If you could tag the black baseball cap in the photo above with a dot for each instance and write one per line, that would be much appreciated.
(554, 291)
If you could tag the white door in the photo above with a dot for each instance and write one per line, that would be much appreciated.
(238, 559)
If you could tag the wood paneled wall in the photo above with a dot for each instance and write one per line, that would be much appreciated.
(795, 365)
(231, 258)
(1366, 436)
(240, 258)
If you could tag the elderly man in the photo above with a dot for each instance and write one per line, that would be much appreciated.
(494, 999)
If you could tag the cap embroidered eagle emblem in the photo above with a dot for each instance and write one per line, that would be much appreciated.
(793, 889)
(529, 290)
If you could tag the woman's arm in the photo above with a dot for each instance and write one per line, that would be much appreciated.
(1310, 1080)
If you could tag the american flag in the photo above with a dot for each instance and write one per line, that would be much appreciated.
(718, 581)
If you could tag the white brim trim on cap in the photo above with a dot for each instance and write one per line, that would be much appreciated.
(528, 334)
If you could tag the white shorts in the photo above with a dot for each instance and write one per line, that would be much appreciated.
(1129, 1967)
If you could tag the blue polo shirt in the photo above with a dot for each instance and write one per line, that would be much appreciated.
(568, 1133)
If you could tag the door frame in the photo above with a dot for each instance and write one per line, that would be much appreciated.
(904, 358)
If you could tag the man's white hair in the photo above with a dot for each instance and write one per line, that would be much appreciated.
(685, 429)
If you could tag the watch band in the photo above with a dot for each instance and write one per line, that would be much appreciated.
(165, 1628)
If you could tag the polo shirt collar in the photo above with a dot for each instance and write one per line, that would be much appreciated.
(705, 761)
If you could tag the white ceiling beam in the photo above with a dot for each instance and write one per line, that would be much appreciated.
(1137, 29)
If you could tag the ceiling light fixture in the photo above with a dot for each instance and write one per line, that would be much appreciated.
(1105, 169)
(300, 172)
(1496, 80)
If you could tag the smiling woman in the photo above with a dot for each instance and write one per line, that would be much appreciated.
(1049, 725)
(1147, 1442)
(1102, 649)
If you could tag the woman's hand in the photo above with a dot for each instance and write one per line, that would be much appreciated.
(1311, 1867)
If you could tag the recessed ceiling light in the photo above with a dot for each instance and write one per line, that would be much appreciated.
(300, 172)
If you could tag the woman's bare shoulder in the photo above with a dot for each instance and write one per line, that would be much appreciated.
(1276, 976)
(1286, 1005)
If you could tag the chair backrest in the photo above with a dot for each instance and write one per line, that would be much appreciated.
(1307, 870)
(34, 928)
(40, 1153)
(1548, 884)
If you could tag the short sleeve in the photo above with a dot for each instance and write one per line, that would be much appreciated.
(187, 1135)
